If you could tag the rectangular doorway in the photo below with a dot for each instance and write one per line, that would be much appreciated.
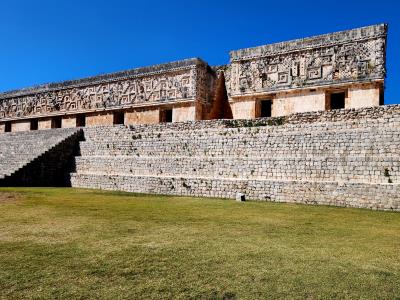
(56, 122)
(337, 100)
(80, 121)
(119, 117)
(265, 108)
(34, 124)
(7, 126)
(166, 116)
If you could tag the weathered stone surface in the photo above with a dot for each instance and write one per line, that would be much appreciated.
(354, 55)
(186, 80)
(343, 157)
(37, 157)
(307, 153)
(298, 76)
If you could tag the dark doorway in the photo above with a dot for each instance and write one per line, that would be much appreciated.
(166, 116)
(266, 108)
(119, 118)
(381, 97)
(7, 127)
(56, 122)
(338, 100)
(80, 121)
(34, 124)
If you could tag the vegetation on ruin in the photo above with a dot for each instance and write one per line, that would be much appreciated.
(260, 122)
(81, 244)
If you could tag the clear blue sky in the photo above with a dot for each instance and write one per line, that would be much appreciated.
(46, 41)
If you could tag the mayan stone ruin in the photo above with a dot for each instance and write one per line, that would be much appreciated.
(299, 121)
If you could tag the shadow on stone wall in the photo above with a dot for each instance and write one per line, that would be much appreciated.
(52, 168)
(221, 108)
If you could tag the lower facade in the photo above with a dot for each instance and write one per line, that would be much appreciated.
(307, 100)
(256, 106)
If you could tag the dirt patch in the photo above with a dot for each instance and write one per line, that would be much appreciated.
(8, 197)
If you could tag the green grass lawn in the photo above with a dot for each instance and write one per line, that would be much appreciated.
(81, 244)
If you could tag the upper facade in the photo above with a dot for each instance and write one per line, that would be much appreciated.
(342, 69)
(176, 82)
(354, 56)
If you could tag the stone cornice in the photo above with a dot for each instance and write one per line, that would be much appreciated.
(325, 40)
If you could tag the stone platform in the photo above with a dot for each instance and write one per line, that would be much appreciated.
(343, 157)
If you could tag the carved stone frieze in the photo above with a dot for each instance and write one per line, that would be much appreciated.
(349, 56)
(156, 85)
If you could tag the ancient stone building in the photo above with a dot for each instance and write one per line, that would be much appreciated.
(339, 70)
(297, 121)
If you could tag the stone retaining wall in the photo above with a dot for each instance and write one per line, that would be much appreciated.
(344, 157)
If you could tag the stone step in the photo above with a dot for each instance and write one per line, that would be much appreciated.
(328, 144)
(374, 196)
(295, 121)
(375, 169)
(18, 149)
(238, 134)
(122, 133)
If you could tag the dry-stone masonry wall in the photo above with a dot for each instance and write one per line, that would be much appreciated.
(343, 157)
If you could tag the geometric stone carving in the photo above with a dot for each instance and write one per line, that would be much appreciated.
(348, 56)
(157, 84)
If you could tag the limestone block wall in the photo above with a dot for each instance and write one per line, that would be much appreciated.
(44, 123)
(68, 122)
(309, 100)
(184, 113)
(20, 126)
(142, 116)
(346, 157)
(363, 95)
(101, 118)
(244, 109)
(298, 102)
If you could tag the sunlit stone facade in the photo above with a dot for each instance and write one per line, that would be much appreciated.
(338, 70)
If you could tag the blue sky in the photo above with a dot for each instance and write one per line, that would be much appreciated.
(46, 41)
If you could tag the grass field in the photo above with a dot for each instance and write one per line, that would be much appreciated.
(81, 244)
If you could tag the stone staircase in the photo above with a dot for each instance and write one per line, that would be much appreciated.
(353, 162)
(27, 158)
